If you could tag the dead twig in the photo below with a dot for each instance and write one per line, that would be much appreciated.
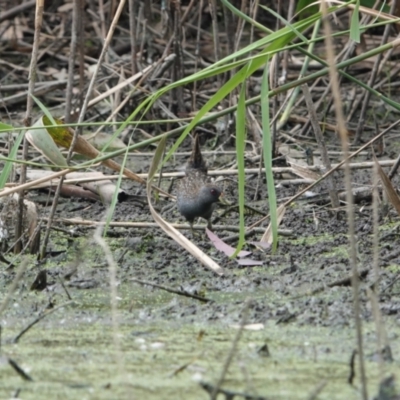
(321, 144)
(334, 168)
(232, 351)
(170, 290)
(44, 314)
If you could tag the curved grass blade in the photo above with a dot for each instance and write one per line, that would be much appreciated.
(267, 148)
(167, 227)
(355, 23)
(5, 173)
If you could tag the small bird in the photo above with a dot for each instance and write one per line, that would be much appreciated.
(196, 195)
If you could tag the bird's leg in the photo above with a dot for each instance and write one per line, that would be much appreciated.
(209, 224)
(191, 229)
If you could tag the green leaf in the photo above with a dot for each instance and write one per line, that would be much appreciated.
(306, 8)
(355, 24)
(4, 128)
(44, 109)
(5, 173)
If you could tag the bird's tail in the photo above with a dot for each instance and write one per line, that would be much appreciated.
(196, 161)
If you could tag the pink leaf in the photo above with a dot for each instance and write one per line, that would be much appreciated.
(222, 246)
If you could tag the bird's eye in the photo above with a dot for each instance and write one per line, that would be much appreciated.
(213, 191)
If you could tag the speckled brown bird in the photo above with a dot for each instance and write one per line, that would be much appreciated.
(196, 195)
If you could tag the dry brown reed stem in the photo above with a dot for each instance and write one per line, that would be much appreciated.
(178, 74)
(321, 144)
(374, 294)
(12, 12)
(197, 55)
(71, 61)
(336, 167)
(27, 119)
(217, 48)
(333, 73)
(99, 62)
(7, 192)
(38, 182)
(372, 77)
(74, 40)
(132, 31)
(375, 216)
(150, 225)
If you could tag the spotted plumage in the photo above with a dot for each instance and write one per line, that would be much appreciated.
(197, 196)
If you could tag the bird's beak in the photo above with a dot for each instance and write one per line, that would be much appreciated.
(223, 200)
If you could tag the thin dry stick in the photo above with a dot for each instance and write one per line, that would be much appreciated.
(322, 148)
(12, 12)
(35, 174)
(98, 65)
(144, 74)
(81, 36)
(389, 76)
(285, 59)
(232, 351)
(71, 61)
(254, 6)
(132, 29)
(39, 318)
(333, 73)
(375, 216)
(346, 52)
(74, 39)
(148, 225)
(27, 120)
(51, 216)
(336, 167)
(371, 81)
(240, 26)
(214, 17)
(374, 294)
(230, 34)
(170, 290)
(178, 73)
(197, 54)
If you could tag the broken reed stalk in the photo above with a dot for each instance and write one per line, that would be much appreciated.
(333, 73)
